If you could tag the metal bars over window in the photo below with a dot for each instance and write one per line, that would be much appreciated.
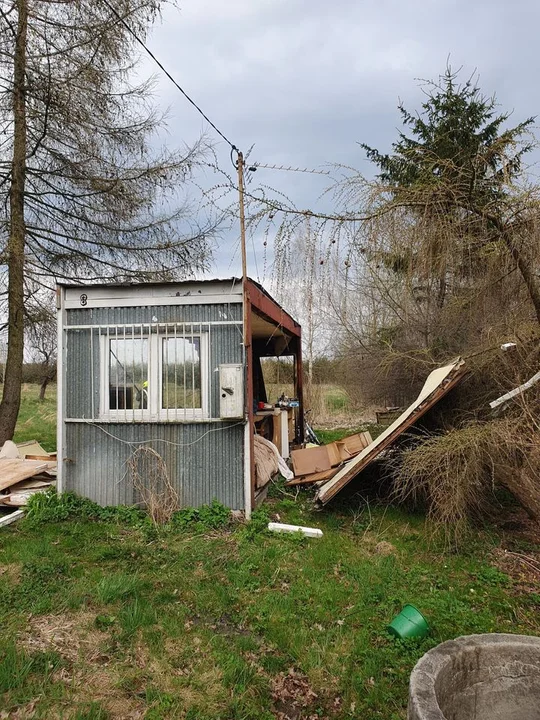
(140, 372)
(155, 372)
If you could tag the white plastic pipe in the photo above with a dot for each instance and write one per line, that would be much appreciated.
(308, 532)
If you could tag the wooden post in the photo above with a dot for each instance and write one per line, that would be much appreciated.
(248, 351)
(240, 168)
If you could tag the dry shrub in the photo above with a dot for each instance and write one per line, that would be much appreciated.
(451, 474)
(150, 477)
(456, 474)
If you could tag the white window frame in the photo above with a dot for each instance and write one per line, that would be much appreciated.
(154, 412)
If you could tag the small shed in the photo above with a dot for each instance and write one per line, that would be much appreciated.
(165, 365)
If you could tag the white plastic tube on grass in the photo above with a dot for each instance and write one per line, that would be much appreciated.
(308, 532)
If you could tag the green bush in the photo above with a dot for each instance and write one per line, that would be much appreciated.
(206, 517)
(51, 506)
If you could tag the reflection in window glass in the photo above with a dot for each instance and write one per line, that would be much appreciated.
(128, 373)
(181, 373)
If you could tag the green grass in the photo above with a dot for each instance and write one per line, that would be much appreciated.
(37, 420)
(105, 617)
(327, 436)
(201, 622)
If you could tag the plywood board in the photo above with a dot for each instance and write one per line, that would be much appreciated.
(313, 478)
(354, 444)
(33, 482)
(31, 447)
(310, 460)
(14, 470)
(19, 499)
(437, 385)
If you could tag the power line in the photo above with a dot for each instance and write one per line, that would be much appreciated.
(167, 73)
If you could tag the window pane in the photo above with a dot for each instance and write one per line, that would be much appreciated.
(128, 373)
(181, 373)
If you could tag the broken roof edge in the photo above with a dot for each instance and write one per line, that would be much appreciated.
(438, 383)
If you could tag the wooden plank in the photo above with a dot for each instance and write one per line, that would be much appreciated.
(310, 460)
(14, 470)
(7, 519)
(48, 458)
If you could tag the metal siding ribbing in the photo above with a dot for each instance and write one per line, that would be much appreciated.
(205, 460)
(161, 313)
(202, 465)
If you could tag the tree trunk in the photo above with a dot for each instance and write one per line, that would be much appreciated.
(43, 387)
(11, 398)
(529, 277)
(524, 264)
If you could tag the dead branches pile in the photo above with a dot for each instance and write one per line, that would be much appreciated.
(148, 473)
(457, 474)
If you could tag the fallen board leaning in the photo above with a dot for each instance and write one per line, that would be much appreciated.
(437, 385)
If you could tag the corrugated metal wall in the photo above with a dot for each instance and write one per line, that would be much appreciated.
(205, 460)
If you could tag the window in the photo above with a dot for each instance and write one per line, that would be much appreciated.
(181, 373)
(128, 373)
(153, 373)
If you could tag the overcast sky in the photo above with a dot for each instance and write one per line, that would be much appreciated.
(306, 80)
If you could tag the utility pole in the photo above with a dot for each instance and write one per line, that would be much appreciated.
(240, 168)
(249, 467)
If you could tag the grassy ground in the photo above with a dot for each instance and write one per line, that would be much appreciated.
(101, 620)
(106, 620)
(37, 420)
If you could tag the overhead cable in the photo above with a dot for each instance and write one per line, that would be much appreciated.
(167, 73)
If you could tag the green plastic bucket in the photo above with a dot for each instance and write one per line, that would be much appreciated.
(410, 623)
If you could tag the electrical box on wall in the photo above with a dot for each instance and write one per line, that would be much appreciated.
(231, 391)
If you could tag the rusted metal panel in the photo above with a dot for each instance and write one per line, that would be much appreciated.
(264, 304)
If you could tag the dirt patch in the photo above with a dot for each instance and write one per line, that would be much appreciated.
(89, 673)
(516, 525)
(384, 548)
(523, 568)
(293, 697)
(73, 637)
(11, 572)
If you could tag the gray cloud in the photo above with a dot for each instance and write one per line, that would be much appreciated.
(306, 80)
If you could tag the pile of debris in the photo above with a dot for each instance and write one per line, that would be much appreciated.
(318, 463)
(331, 467)
(25, 469)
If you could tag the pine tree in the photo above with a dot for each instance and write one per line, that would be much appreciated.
(456, 169)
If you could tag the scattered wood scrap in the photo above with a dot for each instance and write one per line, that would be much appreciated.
(21, 477)
(320, 463)
(13, 471)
